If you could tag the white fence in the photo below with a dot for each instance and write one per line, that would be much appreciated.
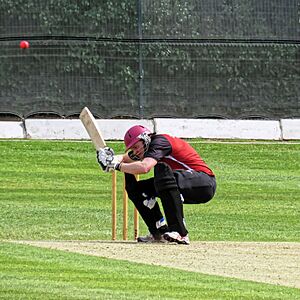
(285, 129)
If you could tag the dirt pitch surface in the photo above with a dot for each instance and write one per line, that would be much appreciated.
(274, 263)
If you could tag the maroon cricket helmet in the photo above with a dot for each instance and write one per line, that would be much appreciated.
(135, 134)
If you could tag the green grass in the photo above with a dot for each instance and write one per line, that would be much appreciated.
(55, 190)
(32, 273)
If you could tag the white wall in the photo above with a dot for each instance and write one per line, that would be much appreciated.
(220, 129)
(287, 129)
(9, 129)
(290, 129)
(73, 129)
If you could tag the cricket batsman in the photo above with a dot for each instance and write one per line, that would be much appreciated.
(180, 177)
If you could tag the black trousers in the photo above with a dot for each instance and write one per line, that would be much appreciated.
(138, 192)
(195, 187)
(173, 187)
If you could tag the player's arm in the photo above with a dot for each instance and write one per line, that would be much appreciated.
(138, 167)
(109, 162)
(132, 164)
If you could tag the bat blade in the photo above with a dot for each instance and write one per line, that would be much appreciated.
(92, 129)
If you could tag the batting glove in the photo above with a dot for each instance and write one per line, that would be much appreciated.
(113, 166)
(105, 156)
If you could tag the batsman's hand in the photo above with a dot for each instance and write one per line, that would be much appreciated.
(113, 166)
(105, 156)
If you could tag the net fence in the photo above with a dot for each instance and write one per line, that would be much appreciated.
(145, 59)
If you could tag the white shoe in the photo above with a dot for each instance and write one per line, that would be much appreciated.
(174, 236)
(150, 238)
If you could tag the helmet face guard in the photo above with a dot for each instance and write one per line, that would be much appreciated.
(135, 134)
(146, 139)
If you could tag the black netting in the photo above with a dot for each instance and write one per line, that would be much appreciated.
(228, 59)
(225, 80)
(68, 18)
(62, 77)
(174, 19)
(228, 19)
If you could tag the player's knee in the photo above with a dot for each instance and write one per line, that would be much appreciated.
(200, 195)
(163, 177)
(206, 196)
(209, 194)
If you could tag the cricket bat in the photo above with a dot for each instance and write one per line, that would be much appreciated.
(92, 129)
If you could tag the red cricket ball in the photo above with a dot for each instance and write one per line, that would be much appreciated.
(24, 45)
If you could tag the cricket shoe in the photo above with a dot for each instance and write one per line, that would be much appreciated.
(174, 236)
(150, 238)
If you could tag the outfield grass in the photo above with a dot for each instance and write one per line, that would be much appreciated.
(54, 190)
(32, 273)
